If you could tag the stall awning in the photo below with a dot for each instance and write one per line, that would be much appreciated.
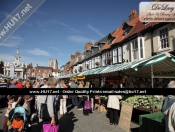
(162, 63)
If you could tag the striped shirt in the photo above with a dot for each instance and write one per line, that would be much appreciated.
(3, 85)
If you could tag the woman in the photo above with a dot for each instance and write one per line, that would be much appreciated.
(52, 109)
(29, 102)
(80, 97)
(63, 108)
(113, 106)
(91, 97)
(86, 98)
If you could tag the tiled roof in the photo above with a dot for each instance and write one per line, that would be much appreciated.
(140, 26)
(56, 70)
(43, 67)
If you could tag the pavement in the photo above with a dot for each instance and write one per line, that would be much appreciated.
(75, 121)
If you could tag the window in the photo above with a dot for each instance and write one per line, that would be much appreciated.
(93, 62)
(106, 58)
(126, 31)
(103, 60)
(141, 48)
(137, 49)
(115, 56)
(164, 38)
(119, 54)
(90, 65)
(110, 40)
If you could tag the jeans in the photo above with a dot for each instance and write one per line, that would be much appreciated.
(113, 116)
(13, 130)
(80, 100)
(5, 123)
(75, 100)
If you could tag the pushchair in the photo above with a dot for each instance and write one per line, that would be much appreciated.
(22, 111)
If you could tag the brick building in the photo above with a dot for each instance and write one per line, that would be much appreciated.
(1, 67)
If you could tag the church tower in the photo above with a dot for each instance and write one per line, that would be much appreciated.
(17, 57)
(53, 63)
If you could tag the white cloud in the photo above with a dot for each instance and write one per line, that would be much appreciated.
(51, 22)
(79, 39)
(95, 30)
(75, 31)
(42, 13)
(37, 51)
(12, 41)
(7, 57)
(24, 59)
(55, 48)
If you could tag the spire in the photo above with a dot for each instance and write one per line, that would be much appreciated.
(17, 52)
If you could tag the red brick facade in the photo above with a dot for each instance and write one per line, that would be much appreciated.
(1, 67)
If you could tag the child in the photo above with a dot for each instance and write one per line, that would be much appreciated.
(17, 123)
(11, 105)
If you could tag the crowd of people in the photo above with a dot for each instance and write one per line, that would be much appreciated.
(60, 103)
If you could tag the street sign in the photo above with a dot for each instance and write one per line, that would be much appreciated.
(12, 69)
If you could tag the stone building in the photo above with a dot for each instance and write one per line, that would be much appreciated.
(20, 69)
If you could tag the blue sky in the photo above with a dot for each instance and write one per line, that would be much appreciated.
(59, 28)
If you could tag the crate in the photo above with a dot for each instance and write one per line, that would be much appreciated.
(152, 122)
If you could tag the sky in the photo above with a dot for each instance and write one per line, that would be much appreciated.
(59, 28)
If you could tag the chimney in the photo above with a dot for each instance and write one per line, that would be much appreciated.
(133, 14)
(77, 54)
(88, 45)
(72, 56)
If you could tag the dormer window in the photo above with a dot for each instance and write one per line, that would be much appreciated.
(110, 40)
(126, 28)
(145, 23)
(126, 31)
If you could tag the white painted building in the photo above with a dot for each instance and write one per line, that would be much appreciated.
(20, 69)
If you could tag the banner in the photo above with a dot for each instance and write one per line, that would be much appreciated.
(94, 91)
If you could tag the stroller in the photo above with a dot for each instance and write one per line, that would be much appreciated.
(22, 111)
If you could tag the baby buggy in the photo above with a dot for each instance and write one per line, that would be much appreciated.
(22, 111)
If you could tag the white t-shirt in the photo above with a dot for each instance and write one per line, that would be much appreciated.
(8, 109)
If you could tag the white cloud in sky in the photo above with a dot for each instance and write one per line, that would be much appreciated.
(55, 48)
(24, 59)
(12, 41)
(80, 39)
(51, 22)
(95, 30)
(38, 51)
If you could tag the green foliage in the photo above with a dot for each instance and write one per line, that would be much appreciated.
(144, 101)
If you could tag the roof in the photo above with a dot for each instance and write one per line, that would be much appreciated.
(56, 70)
(43, 67)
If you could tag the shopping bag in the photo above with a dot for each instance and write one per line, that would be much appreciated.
(87, 105)
(50, 128)
(8, 123)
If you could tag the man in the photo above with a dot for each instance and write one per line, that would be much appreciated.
(44, 85)
(19, 83)
(168, 109)
(74, 97)
(13, 84)
(3, 84)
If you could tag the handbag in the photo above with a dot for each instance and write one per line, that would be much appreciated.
(44, 114)
(87, 105)
(50, 128)
(26, 106)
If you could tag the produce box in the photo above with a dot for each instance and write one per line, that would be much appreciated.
(152, 122)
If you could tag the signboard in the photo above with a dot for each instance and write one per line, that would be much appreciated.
(125, 117)
(12, 69)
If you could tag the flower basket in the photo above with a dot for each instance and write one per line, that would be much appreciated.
(109, 58)
(97, 63)
(80, 69)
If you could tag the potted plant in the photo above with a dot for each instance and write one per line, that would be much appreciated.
(80, 69)
(97, 63)
(110, 58)
(75, 70)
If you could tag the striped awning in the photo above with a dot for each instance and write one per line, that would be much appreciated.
(161, 63)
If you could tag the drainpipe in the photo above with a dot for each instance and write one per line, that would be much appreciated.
(152, 45)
